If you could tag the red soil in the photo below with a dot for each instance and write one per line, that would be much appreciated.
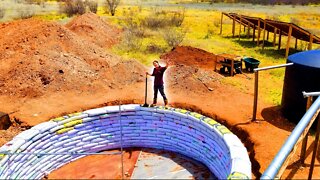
(48, 70)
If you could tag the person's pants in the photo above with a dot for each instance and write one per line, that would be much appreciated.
(157, 88)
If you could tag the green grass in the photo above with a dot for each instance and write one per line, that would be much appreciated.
(203, 31)
(202, 24)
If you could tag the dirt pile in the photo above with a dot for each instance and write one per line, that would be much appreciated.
(93, 28)
(38, 57)
(192, 70)
(191, 56)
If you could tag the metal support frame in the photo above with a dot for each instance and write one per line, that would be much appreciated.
(273, 169)
(305, 139)
(256, 83)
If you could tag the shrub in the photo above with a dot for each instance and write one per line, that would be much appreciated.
(2, 12)
(134, 25)
(111, 6)
(173, 36)
(161, 19)
(73, 7)
(177, 18)
(25, 12)
(92, 5)
(154, 48)
(154, 21)
(130, 42)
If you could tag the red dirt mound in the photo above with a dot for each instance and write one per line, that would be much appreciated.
(41, 59)
(95, 29)
(191, 56)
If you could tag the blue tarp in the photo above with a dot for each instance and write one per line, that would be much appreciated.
(306, 58)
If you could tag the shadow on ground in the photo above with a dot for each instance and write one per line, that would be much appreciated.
(274, 116)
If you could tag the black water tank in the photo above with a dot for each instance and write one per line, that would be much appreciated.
(304, 75)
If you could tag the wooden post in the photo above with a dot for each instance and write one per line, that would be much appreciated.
(221, 23)
(232, 67)
(305, 139)
(274, 36)
(233, 25)
(279, 45)
(264, 32)
(240, 27)
(315, 149)
(296, 44)
(255, 99)
(248, 32)
(258, 32)
(310, 42)
(288, 40)
(254, 33)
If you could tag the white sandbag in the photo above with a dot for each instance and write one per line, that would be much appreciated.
(131, 107)
(28, 134)
(96, 112)
(14, 144)
(42, 127)
(71, 143)
(89, 119)
(72, 132)
(241, 166)
(144, 113)
(149, 109)
(89, 138)
(54, 129)
(232, 140)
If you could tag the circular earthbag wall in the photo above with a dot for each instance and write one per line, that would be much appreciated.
(36, 152)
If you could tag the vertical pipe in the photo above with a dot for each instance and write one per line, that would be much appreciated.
(305, 139)
(221, 23)
(288, 41)
(120, 122)
(296, 44)
(280, 34)
(315, 148)
(232, 67)
(146, 92)
(255, 100)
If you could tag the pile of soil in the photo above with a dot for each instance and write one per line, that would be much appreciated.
(191, 56)
(192, 70)
(40, 58)
(95, 29)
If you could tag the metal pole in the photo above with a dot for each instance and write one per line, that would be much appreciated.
(255, 100)
(307, 94)
(122, 169)
(315, 148)
(285, 150)
(256, 81)
(305, 139)
(146, 93)
(273, 67)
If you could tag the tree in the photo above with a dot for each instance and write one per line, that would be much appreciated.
(111, 6)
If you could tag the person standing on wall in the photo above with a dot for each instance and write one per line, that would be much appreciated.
(158, 72)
